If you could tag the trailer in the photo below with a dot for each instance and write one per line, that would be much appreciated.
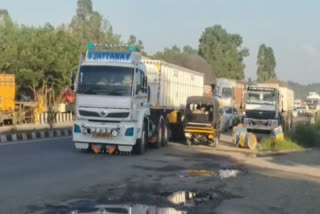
(124, 102)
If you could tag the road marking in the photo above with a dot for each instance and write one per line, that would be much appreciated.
(35, 140)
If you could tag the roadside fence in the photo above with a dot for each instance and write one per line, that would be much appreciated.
(55, 117)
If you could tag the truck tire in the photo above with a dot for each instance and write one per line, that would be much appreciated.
(160, 140)
(216, 141)
(140, 147)
(165, 137)
(188, 142)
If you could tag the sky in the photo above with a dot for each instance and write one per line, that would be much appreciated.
(290, 27)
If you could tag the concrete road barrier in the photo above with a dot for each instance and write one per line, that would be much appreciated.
(36, 134)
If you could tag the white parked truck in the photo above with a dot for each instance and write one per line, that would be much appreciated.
(230, 92)
(267, 106)
(125, 102)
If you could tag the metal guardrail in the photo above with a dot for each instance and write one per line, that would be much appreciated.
(57, 117)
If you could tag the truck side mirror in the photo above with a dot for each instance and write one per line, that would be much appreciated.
(145, 84)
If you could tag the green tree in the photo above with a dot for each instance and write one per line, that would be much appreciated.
(168, 53)
(89, 26)
(5, 18)
(8, 44)
(187, 57)
(189, 50)
(266, 63)
(171, 53)
(137, 43)
(224, 52)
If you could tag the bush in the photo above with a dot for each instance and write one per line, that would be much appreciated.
(306, 135)
(270, 144)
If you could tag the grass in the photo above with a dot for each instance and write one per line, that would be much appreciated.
(269, 144)
(303, 136)
(306, 135)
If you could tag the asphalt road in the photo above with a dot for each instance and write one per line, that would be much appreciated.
(47, 170)
(37, 175)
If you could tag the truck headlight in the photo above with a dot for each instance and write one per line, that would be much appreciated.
(98, 130)
(92, 130)
(114, 133)
(84, 131)
(103, 131)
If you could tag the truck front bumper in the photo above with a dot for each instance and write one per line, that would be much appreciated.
(86, 133)
(263, 125)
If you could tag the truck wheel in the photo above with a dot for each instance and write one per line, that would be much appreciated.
(188, 141)
(141, 144)
(216, 141)
(160, 134)
(164, 141)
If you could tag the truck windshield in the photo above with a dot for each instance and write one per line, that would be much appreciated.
(105, 80)
(266, 98)
(312, 102)
(226, 92)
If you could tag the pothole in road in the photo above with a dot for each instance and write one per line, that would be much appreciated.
(118, 209)
(176, 203)
(190, 199)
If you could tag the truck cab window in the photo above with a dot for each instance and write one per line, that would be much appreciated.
(141, 83)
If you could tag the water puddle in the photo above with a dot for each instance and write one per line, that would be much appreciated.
(135, 209)
(189, 198)
(171, 203)
(116, 209)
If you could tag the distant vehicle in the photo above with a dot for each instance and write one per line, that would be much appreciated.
(14, 112)
(202, 120)
(230, 118)
(313, 103)
(298, 103)
(230, 92)
(269, 105)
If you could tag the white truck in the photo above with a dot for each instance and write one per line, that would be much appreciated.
(267, 106)
(230, 92)
(313, 104)
(126, 102)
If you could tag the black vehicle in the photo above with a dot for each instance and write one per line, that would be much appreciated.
(202, 120)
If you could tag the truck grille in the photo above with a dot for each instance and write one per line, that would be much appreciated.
(256, 114)
(85, 113)
(119, 115)
(312, 107)
(88, 113)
